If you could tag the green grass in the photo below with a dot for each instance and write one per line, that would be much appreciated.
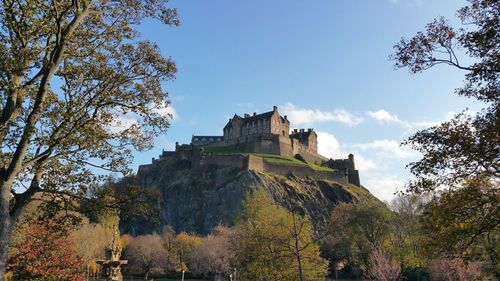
(269, 158)
(320, 168)
(273, 158)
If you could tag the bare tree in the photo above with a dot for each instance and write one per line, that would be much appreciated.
(383, 267)
(454, 269)
(90, 241)
(146, 256)
(212, 257)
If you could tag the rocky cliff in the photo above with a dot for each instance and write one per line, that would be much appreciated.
(196, 200)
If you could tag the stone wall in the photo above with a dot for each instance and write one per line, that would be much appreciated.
(230, 160)
(255, 163)
(353, 177)
(250, 162)
(313, 157)
(258, 126)
(279, 126)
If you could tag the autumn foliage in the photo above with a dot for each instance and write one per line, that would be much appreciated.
(46, 254)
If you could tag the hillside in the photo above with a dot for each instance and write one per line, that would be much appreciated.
(196, 200)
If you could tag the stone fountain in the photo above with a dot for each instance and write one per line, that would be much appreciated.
(111, 266)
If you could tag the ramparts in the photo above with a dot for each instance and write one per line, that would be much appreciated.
(342, 170)
(258, 164)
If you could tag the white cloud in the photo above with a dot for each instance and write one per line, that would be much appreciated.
(384, 186)
(385, 117)
(374, 174)
(302, 116)
(121, 123)
(450, 115)
(389, 148)
(363, 164)
(165, 108)
(328, 145)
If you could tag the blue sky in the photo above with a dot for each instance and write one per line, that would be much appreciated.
(324, 63)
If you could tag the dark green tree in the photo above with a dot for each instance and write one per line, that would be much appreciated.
(72, 75)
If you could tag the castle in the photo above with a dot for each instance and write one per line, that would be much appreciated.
(245, 138)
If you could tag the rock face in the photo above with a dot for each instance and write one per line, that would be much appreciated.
(196, 200)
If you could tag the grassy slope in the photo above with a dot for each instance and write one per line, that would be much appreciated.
(270, 158)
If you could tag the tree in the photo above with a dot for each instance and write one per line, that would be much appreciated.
(469, 232)
(212, 257)
(407, 240)
(270, 243)
(46, 254)
(454, 270)
(169, 242)
(185, 243)
(461, 155)
(90, 242)
(355, 230)
(383, 267)
(146, 256)
(78, 90)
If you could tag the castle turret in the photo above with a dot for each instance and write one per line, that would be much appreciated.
(351, 160)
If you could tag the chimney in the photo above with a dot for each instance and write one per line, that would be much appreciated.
(295, 131)
(247, 115)
(285, 117)
(275, 108)
(301, 130)
(255, 113)
(309, 130)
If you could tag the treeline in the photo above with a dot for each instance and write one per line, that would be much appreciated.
(268, 243)
(365, 240)
(398, 242)
(369, 240)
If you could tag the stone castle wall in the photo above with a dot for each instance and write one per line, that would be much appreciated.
(272, 144)
(200, 160)
(256, 163)
(231, 160)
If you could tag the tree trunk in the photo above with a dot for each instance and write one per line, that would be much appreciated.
(6, 227)
(299, 260)
(297, 249)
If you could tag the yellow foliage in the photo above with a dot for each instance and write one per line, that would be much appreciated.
(271, 241)
(8, 276)
(185, 243)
